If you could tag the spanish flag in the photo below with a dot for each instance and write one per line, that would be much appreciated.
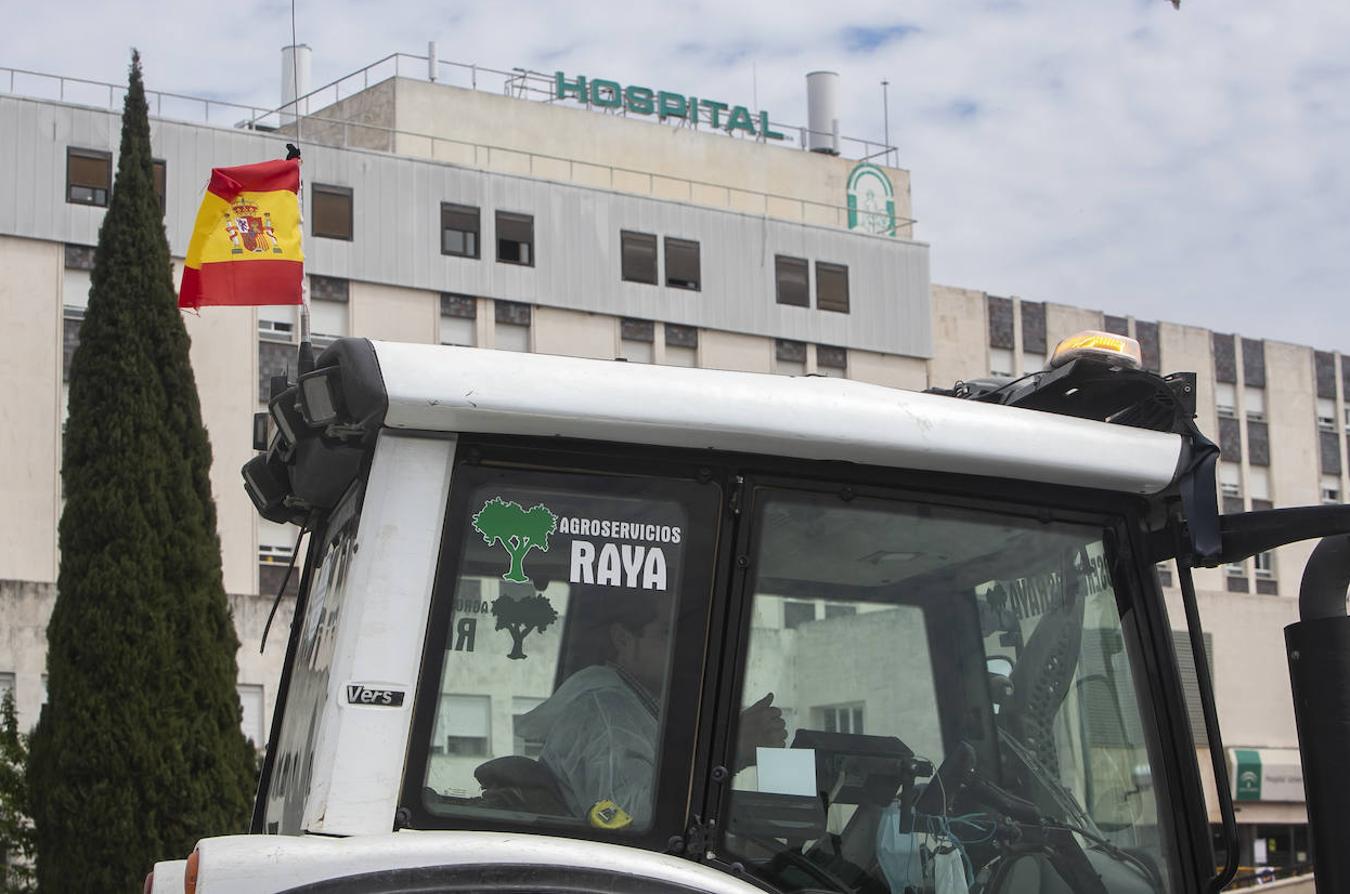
(245, 246)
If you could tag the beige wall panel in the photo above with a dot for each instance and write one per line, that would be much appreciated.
(1295, 459)
(675, 190)
(909, 373)
(454, 153)
(415, 144)
(824, 215)
(224, 356)
(783, 209)
(960, 336)
(631, 181)
(30, 413)
(508, 162)
(727, 350)
(610, 140)
(25, 610)
(592, 175)
(712, 196)
(750, 203)
(1061, 321)
(394, 314)
(552, 169)
(261, 669)
(575, 334)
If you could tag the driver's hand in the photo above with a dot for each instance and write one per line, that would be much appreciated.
(762, 726)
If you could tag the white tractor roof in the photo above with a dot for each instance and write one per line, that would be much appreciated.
(452, 389)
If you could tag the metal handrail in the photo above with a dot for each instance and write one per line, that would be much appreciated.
(344, 128)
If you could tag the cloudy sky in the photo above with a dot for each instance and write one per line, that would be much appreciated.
(1186, 165)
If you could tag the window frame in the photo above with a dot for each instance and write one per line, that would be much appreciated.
(513, 217)
(832, 269)
(455, 208)
(102, 155)
(780, 263)
(334, 191)
(683, 284)
(480, 460)
(637, 237)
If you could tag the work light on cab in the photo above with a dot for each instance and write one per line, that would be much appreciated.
(321, 396)
(1097, 345)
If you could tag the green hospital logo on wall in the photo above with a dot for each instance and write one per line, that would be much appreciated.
(1248, 775)
(871, 200)
(517, 529)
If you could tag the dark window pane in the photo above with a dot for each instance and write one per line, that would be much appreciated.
(331, 210)
(1225, 358)
(795, 614)
(790, 351)
(682, 264)
(1253, 363)
(275, 358)
(1233, 505)
(831, 358)
(512, 312)
(459, 230)
(1324, 364)
(79, 257)
(328, 288)
(1258, 443)
(681, 336)
(637, 330)
(1116, 325)
(1237, 584)
(1267, 587)
(790, 275)
(463, 306)
(1033, 327)
(1230, 439)
(637, 257)
(832, 287)
(1000, 322)
(159, 168)
(1330, 445)
(1147, 336)
(515, 238)
(88, 176)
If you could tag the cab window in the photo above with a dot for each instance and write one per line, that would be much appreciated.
(935, 693)
(564, 604)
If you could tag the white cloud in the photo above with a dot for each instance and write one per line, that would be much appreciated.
(1183, 165)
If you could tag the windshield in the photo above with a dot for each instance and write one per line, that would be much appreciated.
(957, 708)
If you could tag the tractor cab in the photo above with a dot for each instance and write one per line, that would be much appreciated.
(565, 625)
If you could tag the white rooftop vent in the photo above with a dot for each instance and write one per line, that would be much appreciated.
(295, 67)
(822, 112)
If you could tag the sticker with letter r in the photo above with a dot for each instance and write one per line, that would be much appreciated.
(374, 696)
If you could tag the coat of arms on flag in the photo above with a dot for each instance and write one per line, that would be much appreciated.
(246, 244)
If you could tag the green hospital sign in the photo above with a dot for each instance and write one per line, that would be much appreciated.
(606, 94)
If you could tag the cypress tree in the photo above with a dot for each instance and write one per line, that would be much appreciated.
(138, 752)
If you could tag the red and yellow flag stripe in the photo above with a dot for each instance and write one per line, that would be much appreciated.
(246, 244)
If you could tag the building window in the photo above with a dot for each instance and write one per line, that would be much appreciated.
(515, 238)
(1230, 479)
(1032, 363)
(681, 347)
(462, 726)
(513, 326)
(459, 320)
(520, 706)
(637, 340)
(796, 613)
(1347, 417)
(251, 720)
(683, 270)
(159, 168)
(1225, 400)
(791, 274)
(1264, 564)
(1164, 574)
(459, 230)
(331, 211)
(88, 176)
(276, 322)
(637, 257)
(1326, 414)
(1000, 362)
(831, 361)
(832, 287)
(1331, 489)
(1254, 401)
(841, 719)
(789, 357)
(839, 610)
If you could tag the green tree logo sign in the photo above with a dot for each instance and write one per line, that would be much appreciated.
(517, 529)
(520, 617)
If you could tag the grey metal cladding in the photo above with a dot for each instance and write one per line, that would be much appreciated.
(1258, 443)
(1033, 326)
(397, 232)
(1116, 325)
(1230, 439)
(1000, 321)
(1225, 358)
(1253, 363)
(1324, 369)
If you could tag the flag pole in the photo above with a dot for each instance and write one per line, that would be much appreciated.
(305, 361)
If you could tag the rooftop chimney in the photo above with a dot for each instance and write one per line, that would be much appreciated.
(822, 115)
(295, 65)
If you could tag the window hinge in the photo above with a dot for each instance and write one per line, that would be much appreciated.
(737, 488)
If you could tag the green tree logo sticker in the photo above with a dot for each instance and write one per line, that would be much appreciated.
(520, 617)
(517, 529)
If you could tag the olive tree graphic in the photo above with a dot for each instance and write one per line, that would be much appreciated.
(520, 617)
(517, 529)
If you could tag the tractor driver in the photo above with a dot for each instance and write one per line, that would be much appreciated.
(601, 727)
